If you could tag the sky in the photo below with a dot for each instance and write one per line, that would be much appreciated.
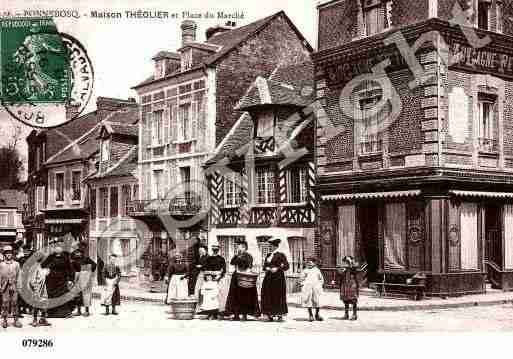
(121, 49)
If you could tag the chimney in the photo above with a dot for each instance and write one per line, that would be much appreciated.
(188, 31)
(218, 29)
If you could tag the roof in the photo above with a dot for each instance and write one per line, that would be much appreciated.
(85, 146)
(12, 198)
(265, 92)
(126, 166)
(291, 85)
(230, 40)
(166, 55)
(124, 129)
(201, 45)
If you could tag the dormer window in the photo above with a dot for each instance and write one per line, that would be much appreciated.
(265, 126)
(160, 68)
(105, 150)
(186, 59)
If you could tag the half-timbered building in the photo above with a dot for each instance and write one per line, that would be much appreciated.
(262, 175)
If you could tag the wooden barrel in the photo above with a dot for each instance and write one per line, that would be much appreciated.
(183, 309)
(247, 280)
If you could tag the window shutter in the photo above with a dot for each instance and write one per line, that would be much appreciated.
(39, 198)
(194, 118)
(174, 123)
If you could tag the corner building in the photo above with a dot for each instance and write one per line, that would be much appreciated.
(425, 186)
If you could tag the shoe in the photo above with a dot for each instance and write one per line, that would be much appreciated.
(4, 323)
(270, 319)
(77, 314)
(318, 318)
(346, 317)
(244, 318)
(34, 323)
(310, 318)
(86, 314)
(17, 324)
(354, 317)
(44, 323)
(115, 313)
(279, 319)
(236, 318)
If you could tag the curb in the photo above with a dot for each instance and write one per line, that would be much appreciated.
(373, 308)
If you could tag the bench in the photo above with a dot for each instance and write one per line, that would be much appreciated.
(414, 291)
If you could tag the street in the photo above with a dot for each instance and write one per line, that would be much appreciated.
(144, 317)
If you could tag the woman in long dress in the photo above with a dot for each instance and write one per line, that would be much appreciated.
(274, 287)
(176, 277)
(111, 295)
(59, 282)
(242, 300)
(198, 270)
(216, 263)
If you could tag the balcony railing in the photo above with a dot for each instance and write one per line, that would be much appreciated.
(487, 144)
(189, 203)
(370, 147)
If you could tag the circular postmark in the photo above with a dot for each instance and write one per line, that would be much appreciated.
(48, 77)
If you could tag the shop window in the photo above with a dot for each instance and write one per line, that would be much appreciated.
(265, 186)
(59, 187)
(75, 185)
(483, 14)
(487, 122)
(463, 236)
(296, 185)
(232, 191)
(297, 253)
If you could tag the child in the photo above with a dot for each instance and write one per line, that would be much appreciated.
(349, 286)
(38, 287)
(210, 295)
(312, 282)
(10, 276)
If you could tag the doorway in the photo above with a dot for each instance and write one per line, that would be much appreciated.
(368, 219)
(493, 234)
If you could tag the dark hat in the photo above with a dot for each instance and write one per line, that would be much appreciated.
(274, 241)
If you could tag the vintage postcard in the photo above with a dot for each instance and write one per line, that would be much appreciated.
(336, 166)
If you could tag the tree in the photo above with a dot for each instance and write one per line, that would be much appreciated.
(11, 162)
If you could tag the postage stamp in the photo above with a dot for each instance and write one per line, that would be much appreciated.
(46, 76)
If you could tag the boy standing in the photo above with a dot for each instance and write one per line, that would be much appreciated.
(9, 278)
(312, 282)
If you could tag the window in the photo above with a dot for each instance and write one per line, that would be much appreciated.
(265, 185)
(483, 14)
(38, 159)
(185, 122)
(297, 253)
(113, 202)
(156, 132)
(104, 202)
(377, 16)
(264, 247)
(499, 19)
(231, 191)
(59, 187)
(185, 175)
(186, 60)
(486, 107)
(371, 118)
(296, 185)
(93, 202)
(126, 193)
(463, 236)
(265, 126)
(157, 184)
(3, 219)
(75, 185)
(105, 147)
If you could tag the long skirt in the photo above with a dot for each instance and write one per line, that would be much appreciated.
(57, 287)
(177, 288)
(110, 294)
(199, 283)
(274, 294)
(242, 300)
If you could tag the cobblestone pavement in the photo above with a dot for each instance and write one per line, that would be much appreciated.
(137, 317)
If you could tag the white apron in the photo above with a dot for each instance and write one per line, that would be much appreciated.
(177, 288)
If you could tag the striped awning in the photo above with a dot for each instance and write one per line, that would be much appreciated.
(481, 194)
(370, 195)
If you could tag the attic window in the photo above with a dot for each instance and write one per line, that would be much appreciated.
(105, 147)
(186, 60)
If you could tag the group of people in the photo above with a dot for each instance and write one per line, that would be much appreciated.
(53, 284)
(219, 297)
